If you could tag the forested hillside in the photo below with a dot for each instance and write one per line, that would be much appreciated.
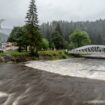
(95, 29)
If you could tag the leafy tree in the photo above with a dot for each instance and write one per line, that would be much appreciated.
(32, 27)
(45, 44)
(18, 35)
(13, 34)
(79, 38)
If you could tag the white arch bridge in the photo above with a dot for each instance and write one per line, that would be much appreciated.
(97, 51)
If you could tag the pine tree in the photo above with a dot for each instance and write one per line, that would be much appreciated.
(34, 35)
(58, 38)
(58, 28)
(32, 17)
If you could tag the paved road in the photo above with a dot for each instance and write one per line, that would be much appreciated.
(20, 85)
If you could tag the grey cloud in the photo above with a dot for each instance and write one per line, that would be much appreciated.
(14, 11)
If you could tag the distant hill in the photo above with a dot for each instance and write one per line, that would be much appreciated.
(4, 33)
(3, 37)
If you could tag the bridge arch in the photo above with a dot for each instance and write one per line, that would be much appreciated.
(89, 49)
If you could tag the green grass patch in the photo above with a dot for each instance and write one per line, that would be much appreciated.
(43, 55)
(15, 53)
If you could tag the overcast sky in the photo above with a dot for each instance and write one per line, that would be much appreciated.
(14, 11)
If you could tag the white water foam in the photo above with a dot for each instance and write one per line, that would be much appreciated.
(69, 68)
(3, 94)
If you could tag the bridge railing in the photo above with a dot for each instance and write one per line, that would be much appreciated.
(88, 50)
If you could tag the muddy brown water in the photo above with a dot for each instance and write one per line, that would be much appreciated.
(27, 86)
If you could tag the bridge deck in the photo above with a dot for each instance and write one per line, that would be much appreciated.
(95, 56)
(90, 51)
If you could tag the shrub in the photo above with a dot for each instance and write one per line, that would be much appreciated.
(53, 54)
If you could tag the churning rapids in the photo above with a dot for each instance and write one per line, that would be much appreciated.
(21, 85)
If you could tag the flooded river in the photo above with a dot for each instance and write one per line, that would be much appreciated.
(21, 85)
(75, 67)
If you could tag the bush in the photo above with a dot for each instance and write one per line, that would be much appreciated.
(53, 54)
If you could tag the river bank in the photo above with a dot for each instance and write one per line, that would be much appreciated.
(21, 85)
(17, 57)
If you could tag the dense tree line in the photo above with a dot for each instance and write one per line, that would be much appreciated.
(56, 35)
(95, 29)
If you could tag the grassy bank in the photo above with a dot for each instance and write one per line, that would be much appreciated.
(53, 54)
(15, 53)
(16, 56)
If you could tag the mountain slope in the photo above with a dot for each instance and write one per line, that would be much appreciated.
(6, 31)
(3, 37)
